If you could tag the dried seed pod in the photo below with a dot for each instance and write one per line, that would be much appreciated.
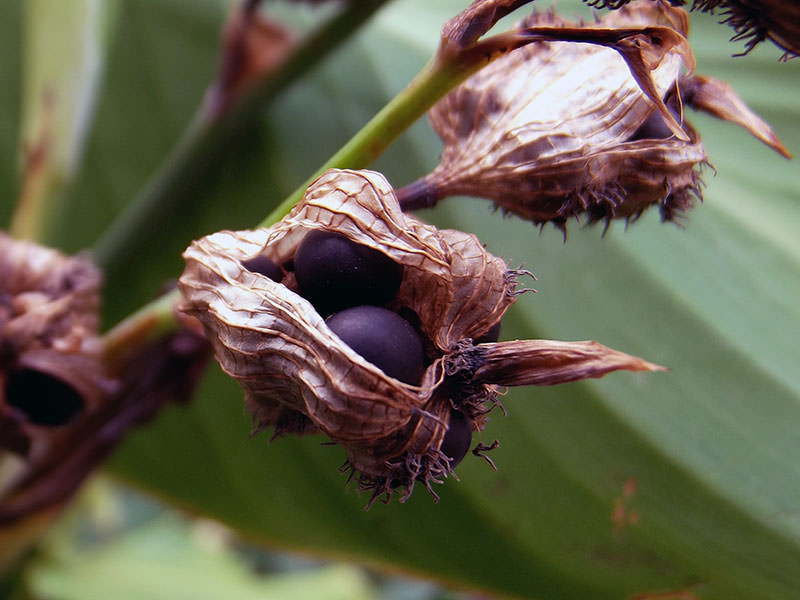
(757, 20)
(62, 411)
(547, 132)
(752, 20)
(50, 367)
(300, 377)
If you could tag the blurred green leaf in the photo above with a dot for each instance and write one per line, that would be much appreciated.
(10, 99)
(63, 58)
(686, 481)
(165, 560)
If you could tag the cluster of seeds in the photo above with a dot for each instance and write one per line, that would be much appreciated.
(354, 287)
(352, 318)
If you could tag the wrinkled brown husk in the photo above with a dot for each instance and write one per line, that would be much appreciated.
(49, 307)
(545, 132)
(48, 322)
(753, 21)
(299, 377)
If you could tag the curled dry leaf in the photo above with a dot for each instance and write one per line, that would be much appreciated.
(752, 20)
(480, 16)
(300, 377)
(553, 129)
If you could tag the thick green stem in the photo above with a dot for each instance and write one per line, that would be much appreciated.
(148, 323)
(438, 77)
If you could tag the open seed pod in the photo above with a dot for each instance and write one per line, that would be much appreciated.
(49, 353)
(300, 377)
(556, 130)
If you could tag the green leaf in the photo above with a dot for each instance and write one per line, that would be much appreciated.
(685, 481)
(63, 60)
(10, 99)
(164, 559)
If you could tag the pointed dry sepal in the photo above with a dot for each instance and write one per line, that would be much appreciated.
(550, 362)
(471, 24)
(719, 99)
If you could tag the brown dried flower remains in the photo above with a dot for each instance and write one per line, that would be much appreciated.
(48, 324)
(549, 132)
(753, 21)
(299, 377)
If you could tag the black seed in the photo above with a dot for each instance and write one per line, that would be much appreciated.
(261, 264)
(42, 398)
(458, 438)
(383, 338)
(334, 272)
(655, 127)
(490, 336)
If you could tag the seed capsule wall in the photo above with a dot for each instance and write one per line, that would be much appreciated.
(552, 131)
(300, 377)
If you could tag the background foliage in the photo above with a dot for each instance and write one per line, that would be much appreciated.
(686, 481)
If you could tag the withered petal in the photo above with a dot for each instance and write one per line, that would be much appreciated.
(550, 362)
(479, 17)
(719, 99)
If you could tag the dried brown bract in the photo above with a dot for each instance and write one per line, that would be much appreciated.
(556, 130)
(753, 21)
(50, 370)
(300, 377)
(62, 410)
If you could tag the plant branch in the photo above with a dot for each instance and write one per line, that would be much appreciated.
(203, 143)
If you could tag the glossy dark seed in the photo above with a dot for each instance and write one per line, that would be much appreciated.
(458, 438)
(42, 398)
(383, 338)
(262, 264)
(334, 272)
(655, 127)
(490, 336)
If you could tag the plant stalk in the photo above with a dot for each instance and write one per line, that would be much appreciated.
(203, 143)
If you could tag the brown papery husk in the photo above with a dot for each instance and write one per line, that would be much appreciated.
(545, 132)
(299, 377)
(297, 374)
(49, 307)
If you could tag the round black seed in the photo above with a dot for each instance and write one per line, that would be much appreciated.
(383, 338)
(261, 264)
(334, 272)
(42, 398)
(458, 438)
(655, 127)
(490, 336)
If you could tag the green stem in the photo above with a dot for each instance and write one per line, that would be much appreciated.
(204, 142)
(437, 78)
(147, 324)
